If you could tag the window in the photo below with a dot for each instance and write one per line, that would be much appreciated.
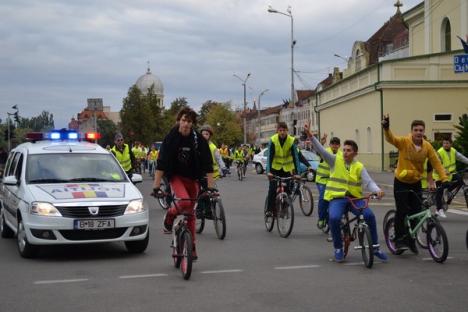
(19, 167)
(357, 136)
(446, 35)
(443, 117)
(14, 162)
(440, 136)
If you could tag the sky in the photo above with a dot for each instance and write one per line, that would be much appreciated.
(54, 54)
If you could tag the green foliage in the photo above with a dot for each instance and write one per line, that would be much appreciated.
(43, 122)
(107, 129)
(141, 117)
(226, 126)
(205, 108)
(461, 137)
(171, 113)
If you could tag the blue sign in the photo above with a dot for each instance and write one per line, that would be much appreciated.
(460, 63)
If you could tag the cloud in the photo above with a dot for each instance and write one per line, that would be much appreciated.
(55, 54)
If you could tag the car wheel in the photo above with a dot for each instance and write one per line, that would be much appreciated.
(258, 168)
(138, 246)
(5, 231)
(25, 249)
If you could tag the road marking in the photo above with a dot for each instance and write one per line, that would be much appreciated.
(430, 259)
(360, 263)
(222, 271)
(142, 276)
(77, 280)
(458, 212)
(296, 267)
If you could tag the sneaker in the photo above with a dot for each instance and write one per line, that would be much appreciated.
(339, 255)
(321, 224)
(441, 213)
(400, 246)
(381, 255)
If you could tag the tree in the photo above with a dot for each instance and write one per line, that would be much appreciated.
(171, 113)
(43, 122)
(461, 137)
(107, 128)
(205, 108)
(141, 116)
(225, 124)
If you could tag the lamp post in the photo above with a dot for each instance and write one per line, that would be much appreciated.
(8, 123)
(341, 57)
(293, 43)
(258, 114)
(244, 81)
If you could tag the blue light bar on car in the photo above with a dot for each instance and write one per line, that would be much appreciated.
(63, 134)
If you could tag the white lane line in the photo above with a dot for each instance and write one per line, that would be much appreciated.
(142, 276)
(77, 280)
(458, 212)
(222, 271)
(297, 267)
(430, 259)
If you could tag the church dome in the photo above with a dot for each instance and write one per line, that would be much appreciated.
(147, 80)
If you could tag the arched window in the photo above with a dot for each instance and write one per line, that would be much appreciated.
(446, 35)
(357, 136)
(369, 140)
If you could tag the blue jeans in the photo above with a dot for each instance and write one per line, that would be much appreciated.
(322, 203)
(336, 210)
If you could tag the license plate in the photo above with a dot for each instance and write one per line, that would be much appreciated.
(93, 224)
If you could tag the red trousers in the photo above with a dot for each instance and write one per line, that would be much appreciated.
(184, 188)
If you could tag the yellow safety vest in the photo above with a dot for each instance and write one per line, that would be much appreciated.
(449, 161)
(153, 155)
(323, 170)
(424, 184)
(343, 182)
(283, 159)
(213, 149)
(123, 157)
(224, 152)
(238, 155)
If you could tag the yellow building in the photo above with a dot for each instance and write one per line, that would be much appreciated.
(407, 73)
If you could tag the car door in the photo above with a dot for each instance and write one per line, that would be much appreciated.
(10, 191)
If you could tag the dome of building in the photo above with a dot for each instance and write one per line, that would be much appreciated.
(147, 80)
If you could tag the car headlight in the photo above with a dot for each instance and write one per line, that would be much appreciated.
(135, 206)
(44, 209)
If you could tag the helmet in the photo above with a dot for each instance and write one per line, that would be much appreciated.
(207, 128)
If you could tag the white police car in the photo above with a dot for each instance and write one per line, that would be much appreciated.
(67, 191)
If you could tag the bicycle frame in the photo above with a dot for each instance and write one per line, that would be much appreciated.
(421, 216)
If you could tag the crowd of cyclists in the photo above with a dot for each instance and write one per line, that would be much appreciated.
(191, 162)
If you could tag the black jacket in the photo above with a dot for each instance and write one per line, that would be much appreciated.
(167, 159)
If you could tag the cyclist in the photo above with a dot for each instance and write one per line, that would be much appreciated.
(239, 156)
(449, 156)
(218, 164)
(152, 159)
(124, 154)
(185, 158)
(282, 160)
(413, 151)
(348, 177)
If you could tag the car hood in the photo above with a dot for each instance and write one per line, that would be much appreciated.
(59, 192)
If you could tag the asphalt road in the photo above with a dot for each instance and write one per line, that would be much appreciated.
(251, 270)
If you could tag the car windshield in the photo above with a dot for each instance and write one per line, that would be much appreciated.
(310, 156)
(76, 167)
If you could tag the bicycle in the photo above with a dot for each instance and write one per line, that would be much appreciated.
(182, 240)
(240, 170)
(448, 195)
(436, 236)
(283, 212)
(360, 230)
(302, 191)
(428, 200)
(217, 215)
(165, 201)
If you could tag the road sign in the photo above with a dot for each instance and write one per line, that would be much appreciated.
(460, 63)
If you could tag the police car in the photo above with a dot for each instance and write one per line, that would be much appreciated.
(64, 190)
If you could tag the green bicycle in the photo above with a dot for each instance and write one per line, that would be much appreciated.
(436, 237)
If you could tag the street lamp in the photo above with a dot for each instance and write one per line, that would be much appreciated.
(293, 43)
(245, 103)
(341, 57)
(8, 124)
(258, 114)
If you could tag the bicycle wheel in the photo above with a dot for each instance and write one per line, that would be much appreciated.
(186, 255)
(239, 173)
(199, 224)
(465, 192)
(268, 216)
(421, 236)
(390, 214)
(389, 233)
(437, 241)
(163, 201)
(365, 243)
(285, 215)
(176, 251)
(346, 241)
(445, 199)
(306, 200)
(219, 218)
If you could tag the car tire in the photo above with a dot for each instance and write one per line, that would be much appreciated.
(258, 168)
(5, 230)
(138, 246)
(25, 249)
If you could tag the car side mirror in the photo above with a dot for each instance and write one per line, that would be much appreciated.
(10, 180)
(136, 178)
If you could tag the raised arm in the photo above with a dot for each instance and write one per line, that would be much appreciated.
(329, 158)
